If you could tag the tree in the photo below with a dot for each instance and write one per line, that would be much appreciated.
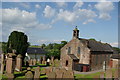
(17, 41)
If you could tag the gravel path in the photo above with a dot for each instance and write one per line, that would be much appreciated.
(77, 72)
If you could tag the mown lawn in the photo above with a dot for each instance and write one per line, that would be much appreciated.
(87, 76)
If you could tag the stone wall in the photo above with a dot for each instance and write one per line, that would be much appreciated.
(98, 59)
(83, 56)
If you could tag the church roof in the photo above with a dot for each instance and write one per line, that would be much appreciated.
(36, 50)
(115, 56)
(94, 45)
(73, 56)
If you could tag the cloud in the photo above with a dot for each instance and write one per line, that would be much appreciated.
(46, 41)
(78, 5)
(61, 4)
(49, 11)
(115, 44)
(104, 9)
(25, 5)
(37, 6)
(89, 20)
(20, 20)
(84, 15)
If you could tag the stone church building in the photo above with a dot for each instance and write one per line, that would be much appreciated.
(85, 54)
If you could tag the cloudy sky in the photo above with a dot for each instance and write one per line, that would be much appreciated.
(48, 22)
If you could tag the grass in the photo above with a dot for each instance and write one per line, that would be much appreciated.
(90, 76)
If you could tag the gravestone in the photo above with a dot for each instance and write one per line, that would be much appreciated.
(115, 75)
(47, 71)
(102, 76)
(10, 63)
(30, 62)
(29, 74)
(59, 75)
(34, 61)
(52, 76)
(43, 62)
(37, 73)
(18, 63)
(10, 76)
(109, 73)
(68, 75)
(2, 63)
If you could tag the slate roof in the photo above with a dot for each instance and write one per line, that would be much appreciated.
(115, 56)
(97, 46)
(36, 50)
(73, 56)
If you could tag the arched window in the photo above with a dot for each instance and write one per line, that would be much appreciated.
(69, 50)
(78, 50)
(66, 63)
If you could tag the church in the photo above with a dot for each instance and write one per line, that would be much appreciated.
(85, 54)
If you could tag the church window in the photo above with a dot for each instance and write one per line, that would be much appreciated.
(69, 50)
(78, 50)
(66, 62)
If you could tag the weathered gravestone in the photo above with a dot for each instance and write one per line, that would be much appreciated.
(10, 76)
(115, 75)
(109, 74)
(30, 62)
(2, 63)
(43, 62)
(34, 61)
(29, 74)
(102, 76)
(37, 73)
(10, 63)
(18, 63)
(51, 76)
(68, 75)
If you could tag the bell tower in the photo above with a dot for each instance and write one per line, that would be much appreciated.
(75, 33)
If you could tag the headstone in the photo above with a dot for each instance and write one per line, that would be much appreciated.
(10, 76)
(34, 61)
(52, 76)
(2, 63)
(30, 62)
(10, 63)
(29, 74)
(18, 63)
(102, 76)
(37, 73)
(43, 62)
(59, 75)
(47, 71)
(115, 75)
(68, 75)
(109, 73)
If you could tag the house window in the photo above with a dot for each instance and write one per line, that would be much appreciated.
(78, 50)
(66, 63)
(69, 50)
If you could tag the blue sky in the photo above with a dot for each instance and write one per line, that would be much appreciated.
(48, 22)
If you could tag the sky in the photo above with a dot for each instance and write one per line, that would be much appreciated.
(52, 22)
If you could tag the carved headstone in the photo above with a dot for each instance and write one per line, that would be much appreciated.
(29, 74)
(10, 63)
(108, 73)
(18, 63)
(52, 76)
(37, 73)
(34, 61)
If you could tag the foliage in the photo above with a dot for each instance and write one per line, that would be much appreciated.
(92, 39)
(53, 49)
(116, 49)
(3, 47)
(18, 41)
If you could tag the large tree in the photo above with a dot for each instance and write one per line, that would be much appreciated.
(17, 41)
